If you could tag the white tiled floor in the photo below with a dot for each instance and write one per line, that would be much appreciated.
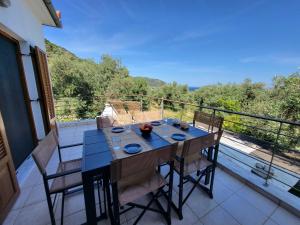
(233, 203)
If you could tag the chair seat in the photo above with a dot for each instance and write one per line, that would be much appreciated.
(67, 181)
(190, 167)
(131, 193)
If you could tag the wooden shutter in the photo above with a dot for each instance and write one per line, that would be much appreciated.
(9, 188)
(46, 87)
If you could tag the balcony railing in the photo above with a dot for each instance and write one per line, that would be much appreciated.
(266, 146)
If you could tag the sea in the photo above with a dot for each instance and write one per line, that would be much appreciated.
(193, 88)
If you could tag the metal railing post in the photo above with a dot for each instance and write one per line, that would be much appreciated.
(273, 154)
(181, 112)
(162, 107)
(200, 104)
(212, 121)
(141, 103)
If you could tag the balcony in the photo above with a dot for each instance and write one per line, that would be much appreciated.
(240, 196)
(234, 202)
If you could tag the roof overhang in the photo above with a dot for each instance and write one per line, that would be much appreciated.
(45, 12)
(52, 12)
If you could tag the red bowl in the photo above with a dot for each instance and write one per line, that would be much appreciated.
(146, 128)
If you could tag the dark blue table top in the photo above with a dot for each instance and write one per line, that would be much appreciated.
(193, 131)
(97, 154)
(154, 140)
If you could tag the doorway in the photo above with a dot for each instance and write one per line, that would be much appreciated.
(14, 101)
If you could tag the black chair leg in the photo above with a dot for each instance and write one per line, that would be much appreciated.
(209, 158)
(49, 202)
(170, 192)
(180, 199)
(211, 183)
(154, 198)
(62, 208)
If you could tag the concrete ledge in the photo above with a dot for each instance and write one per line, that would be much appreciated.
(279, 196)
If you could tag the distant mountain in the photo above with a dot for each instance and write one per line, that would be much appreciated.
(53, 50)
(152, 82)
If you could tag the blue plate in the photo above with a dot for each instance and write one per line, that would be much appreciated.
(178, 137)
(117, 129)
(155, 123)
(132, 148)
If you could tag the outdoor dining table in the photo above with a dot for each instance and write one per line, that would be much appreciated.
(99, 152)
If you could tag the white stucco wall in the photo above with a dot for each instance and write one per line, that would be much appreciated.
(20, 22)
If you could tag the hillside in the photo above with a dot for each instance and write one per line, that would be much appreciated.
(54, 50)
(152, 82)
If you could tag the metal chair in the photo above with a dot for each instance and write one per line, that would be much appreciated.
(211, 122)
(67, 177)
(190, 160)
(136, 176)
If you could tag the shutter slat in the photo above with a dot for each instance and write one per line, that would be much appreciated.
(2, 148)
(46, 86)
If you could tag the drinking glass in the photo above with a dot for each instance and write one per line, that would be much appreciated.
(128, 128)
(165, 127)
(165, 121)
(116, 142)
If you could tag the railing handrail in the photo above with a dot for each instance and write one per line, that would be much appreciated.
(296, 123)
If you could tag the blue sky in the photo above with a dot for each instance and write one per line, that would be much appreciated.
(193, 42)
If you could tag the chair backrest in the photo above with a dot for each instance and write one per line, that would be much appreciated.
(53, 126)
(147, 116)
(123, 119)
(139, 167)
(153, 115)
(133, 106)
(139, 117)
(193, 146)
(208, 121)
(44, 151)
(118, 106)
